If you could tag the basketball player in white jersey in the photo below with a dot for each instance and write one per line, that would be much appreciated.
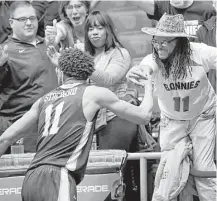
(185, 96)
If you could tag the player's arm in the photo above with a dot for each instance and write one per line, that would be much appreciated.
(19, 128)
(104, 98)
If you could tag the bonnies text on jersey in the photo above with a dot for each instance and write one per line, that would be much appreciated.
(60, 94)
(181, 85)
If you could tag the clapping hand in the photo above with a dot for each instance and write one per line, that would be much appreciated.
(3, 55)
(53, 55)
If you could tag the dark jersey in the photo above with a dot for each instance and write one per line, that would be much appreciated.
(65, 136)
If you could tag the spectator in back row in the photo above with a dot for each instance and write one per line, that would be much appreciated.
(26, 71)
(190, 9)
(69, 32)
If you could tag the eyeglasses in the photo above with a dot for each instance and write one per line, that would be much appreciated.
(24, 19)
(76, 6)
(164, 43)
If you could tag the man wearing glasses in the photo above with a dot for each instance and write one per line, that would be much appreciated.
(26, 72)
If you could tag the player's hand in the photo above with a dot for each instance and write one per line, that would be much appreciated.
(51, 33)
(137, 76)
(3, 55)
(53, 55)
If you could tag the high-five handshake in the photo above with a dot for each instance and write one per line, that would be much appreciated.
(139, 74)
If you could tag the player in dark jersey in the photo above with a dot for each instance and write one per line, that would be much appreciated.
(65, 118)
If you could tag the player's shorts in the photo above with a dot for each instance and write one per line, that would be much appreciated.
(49, 183)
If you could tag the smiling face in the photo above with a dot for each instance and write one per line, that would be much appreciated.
(164, 46)
(97, 35)
(24, 30)
(76, 12)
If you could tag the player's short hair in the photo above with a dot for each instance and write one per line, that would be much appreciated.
(18, 4)
(76, 63)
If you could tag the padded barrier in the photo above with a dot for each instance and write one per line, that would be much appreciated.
(99, 162)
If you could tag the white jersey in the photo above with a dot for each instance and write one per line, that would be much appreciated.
(186, 98)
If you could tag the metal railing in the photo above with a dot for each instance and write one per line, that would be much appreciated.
(143, 157)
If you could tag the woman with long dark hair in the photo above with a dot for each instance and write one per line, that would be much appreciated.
(112, 62)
